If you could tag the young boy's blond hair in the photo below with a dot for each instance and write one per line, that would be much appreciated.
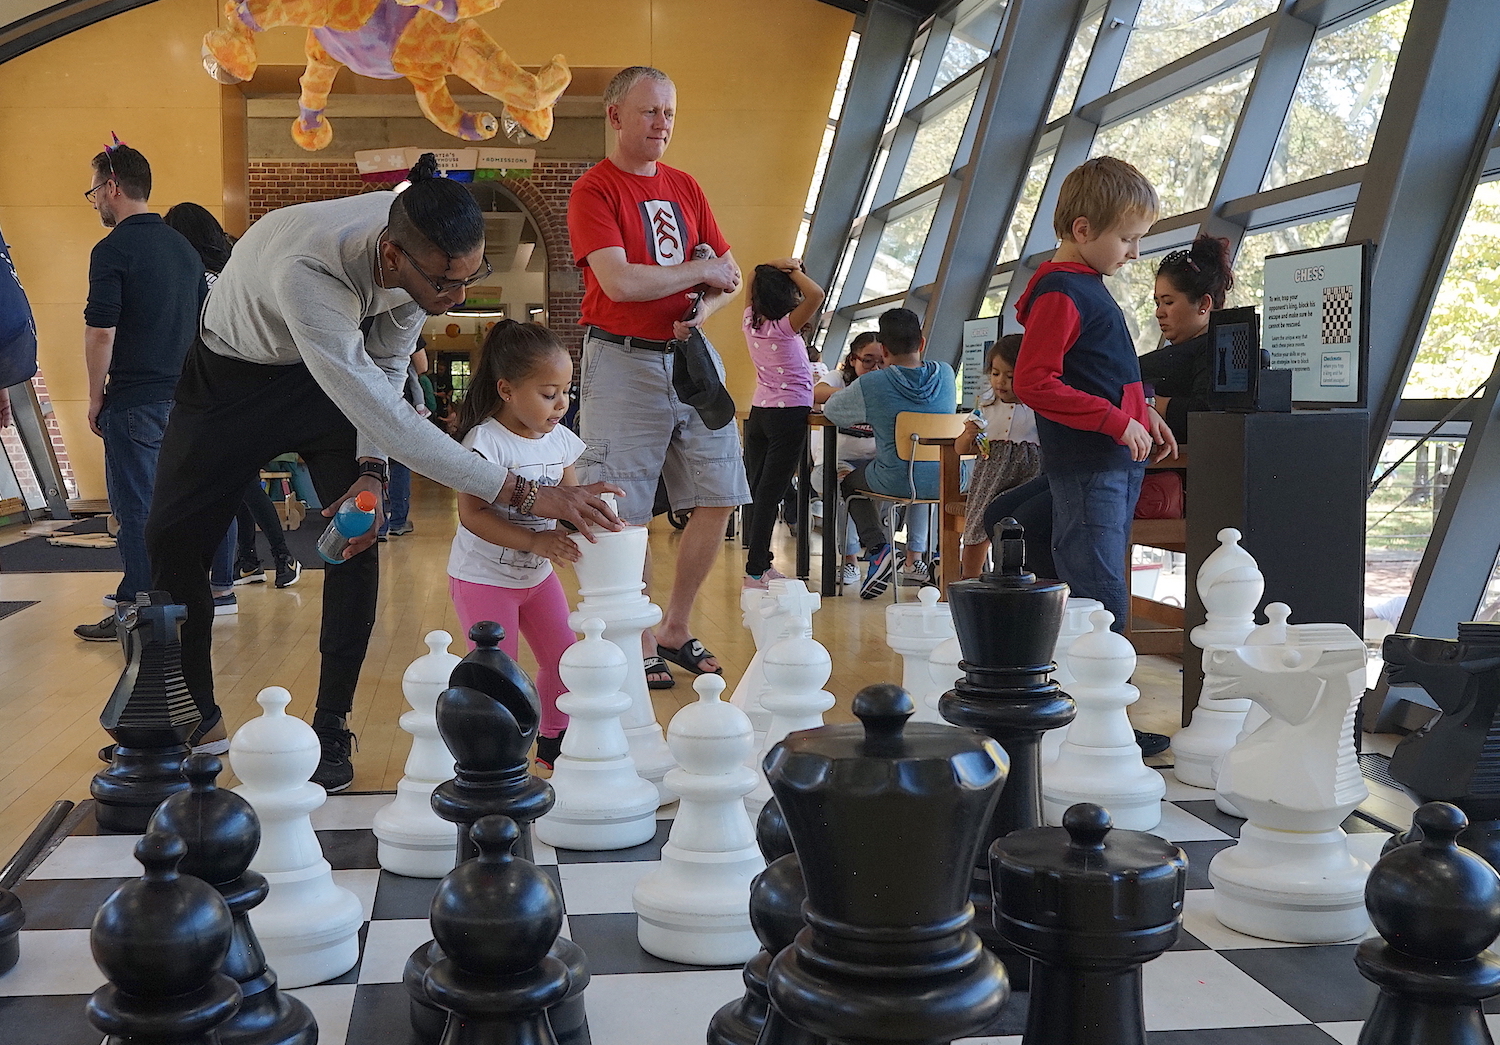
(1103, 190)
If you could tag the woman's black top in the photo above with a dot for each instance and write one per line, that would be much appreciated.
(1181, 373)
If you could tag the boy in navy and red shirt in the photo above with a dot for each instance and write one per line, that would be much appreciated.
(1077, 369)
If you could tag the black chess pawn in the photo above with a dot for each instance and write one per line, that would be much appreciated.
(222, 833)
(496, 917)
(150, 714)
(887, 818)
(1456, 757)
(12, 918)
(160, 940)
(1437, 907)
(1090, 906)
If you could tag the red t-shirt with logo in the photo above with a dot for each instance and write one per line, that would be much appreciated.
(658, 220)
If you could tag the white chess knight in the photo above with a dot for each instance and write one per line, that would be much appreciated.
(610, 585)
(943, 673)
(412, 839)
(1099, 761)
(767, 614)
(1075, 623)
(1271, 633)
(602, 803)
(308, 925)
(914, 630)
(1230, 585)
(694, 907)
(1291, 876)
(797, 668)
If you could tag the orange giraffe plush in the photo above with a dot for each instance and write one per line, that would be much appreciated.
(421, 40)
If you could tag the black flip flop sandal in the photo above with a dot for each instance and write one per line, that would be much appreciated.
(690, 655)
(654, 666)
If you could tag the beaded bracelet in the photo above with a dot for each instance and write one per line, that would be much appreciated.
(530, 502)
(523, 489)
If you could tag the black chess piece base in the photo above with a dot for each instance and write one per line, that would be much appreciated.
(138, 780)
(12, 917)
(1423, 1002)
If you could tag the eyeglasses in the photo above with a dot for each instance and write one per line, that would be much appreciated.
(870, 362)
(89, 194)
(447, 285)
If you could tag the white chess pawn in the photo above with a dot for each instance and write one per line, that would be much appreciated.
(797, 669)
(1075, 623)
(1230, 585)
(694, 907)
(1100, 761)
(1291, 876)
(602, 803)
(610, 586)
(412, 839)
(914, 630)
(1271, 633)
(783, 600)
(747, 690)
(308, 925)
(943, 673)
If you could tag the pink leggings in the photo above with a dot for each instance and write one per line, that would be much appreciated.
(544, 623)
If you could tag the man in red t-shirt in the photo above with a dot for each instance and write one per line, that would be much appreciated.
(636, 227)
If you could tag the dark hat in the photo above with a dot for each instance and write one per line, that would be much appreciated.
(696, 381)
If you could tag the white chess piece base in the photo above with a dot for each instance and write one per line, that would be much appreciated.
(1291, 886)
(1198, 746)
(411, 839)
(308, 926)
(1107, 777)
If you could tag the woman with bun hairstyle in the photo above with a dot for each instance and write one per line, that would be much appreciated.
(1189, 285)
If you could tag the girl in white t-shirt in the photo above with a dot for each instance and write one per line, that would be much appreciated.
(501, 562)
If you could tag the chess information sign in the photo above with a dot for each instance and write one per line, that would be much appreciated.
(1313, 322)
(979, 335)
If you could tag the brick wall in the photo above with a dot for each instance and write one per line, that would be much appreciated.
(15, 450)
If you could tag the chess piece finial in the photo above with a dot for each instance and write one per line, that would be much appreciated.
(1010, 554)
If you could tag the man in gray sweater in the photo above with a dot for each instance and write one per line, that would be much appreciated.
(305, 343)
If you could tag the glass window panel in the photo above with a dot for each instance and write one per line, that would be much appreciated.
(818, 168)
(907, 78)
(864, 205)
(836, 294)
(1179, 146)
(1031, 197)
(970, 42)
(1340, 96)
(1458, 347)
(896, 253)
(934, 146)
(1133, 287)
(1165, 30)
(1072, 74)
(1250, 262)
(1401, 511)
(836, 109)
(994, 299)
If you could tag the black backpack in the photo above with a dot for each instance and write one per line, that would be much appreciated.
(17, 326)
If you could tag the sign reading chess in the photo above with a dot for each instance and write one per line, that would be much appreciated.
(1314, 322)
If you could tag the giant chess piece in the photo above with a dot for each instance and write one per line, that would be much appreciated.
(412, 840)
(1291, 876)
(150, 714)
(495, 918)
(944, 669)
(1230, 585)
(309, 924)
(1271, 633)
(12, 918)
(160, 940)
(769, 615)
(887, 817)
(602, 803)
(1090, 906)
(693, 907)
(1437, 907)
(489, 719)
(221, 833)
(914, 630)
(1456, 757)
(796, 669)
(1100, 761)
(610, 571)
(1076, 623)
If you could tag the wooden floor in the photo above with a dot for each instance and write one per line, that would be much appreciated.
(52, 685)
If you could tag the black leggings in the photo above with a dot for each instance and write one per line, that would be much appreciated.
(1029, 504)
(230, 418)
(256, 509)
(774, 441)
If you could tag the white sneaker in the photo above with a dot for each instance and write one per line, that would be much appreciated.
(916, 574)
(849, 575)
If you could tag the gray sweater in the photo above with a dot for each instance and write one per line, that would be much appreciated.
(297, 289)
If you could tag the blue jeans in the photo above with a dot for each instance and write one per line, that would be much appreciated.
(397, 497)
(132, 440)
(1091, 514)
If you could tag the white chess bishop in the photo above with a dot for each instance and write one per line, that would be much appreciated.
(768, 614)
(1230, 585)
(914, 630)
(412, 839)
(694, 907)
(309, 925)
(602, 803)
(610, 571)
(1291, 876)
(1075, 623)
(797, 668)
(1099, 761)
(943, 673)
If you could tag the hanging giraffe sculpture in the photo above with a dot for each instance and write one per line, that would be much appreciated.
(421, 40)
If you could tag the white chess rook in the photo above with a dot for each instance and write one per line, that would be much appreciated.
(694, 907)
(797, 668)
(412, 840)
(1100, 761)
(602, 803)
(308, 925)
(943, 672)
(768, 614)
(1230, 585)
(914, 630)
(1291, 876)
(610, 571)
(1271, 633)
(1075, 623)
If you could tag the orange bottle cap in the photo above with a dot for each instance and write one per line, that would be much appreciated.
(364, 501)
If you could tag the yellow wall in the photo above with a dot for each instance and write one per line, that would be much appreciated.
(754, 78)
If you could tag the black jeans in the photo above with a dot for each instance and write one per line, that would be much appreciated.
(256, 509)
(774, 440)
(1029, 504)
(231, 418)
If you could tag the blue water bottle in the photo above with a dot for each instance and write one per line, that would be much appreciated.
(353, 519)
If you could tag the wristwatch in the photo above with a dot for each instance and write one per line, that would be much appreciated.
(379, 469)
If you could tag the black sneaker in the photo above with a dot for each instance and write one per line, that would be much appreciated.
(288, 571)
(548, 749)
(248, 571)
(1151, 743)
(335, 772)
(104, 631)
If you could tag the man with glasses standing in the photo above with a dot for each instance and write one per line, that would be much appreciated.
(145, 288)
(304, 347)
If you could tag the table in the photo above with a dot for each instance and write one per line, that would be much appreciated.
(828, 581)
